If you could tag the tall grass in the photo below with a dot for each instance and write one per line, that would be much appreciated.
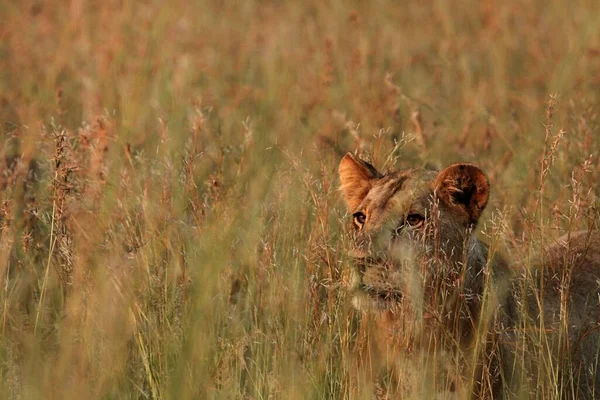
(170, 220)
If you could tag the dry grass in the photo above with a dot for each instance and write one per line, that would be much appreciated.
(170, 221)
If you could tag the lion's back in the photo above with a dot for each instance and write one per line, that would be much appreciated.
(572, 302)
(572, 272)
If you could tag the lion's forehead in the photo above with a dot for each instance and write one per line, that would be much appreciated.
(398, 193)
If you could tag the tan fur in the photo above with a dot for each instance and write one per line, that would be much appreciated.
(422, 276)
(356, 176)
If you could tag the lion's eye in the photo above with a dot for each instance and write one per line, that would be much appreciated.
(359, 219)
(412, 220)
(415, 220)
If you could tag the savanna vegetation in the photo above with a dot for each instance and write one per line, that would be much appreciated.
(171, 225)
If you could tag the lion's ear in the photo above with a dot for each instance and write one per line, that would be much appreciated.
(464, 186)
(356, 177)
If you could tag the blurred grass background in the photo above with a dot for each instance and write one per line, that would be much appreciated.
(170, 220)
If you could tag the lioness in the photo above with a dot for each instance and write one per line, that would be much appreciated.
(425, 278)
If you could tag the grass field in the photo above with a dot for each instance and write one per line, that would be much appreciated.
(170, 220)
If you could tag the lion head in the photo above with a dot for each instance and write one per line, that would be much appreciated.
(412, 232)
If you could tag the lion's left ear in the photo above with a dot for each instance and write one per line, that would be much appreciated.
(464, 186)
(356, 177)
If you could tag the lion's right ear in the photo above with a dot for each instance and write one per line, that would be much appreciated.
(356, 176)
(464, 187)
